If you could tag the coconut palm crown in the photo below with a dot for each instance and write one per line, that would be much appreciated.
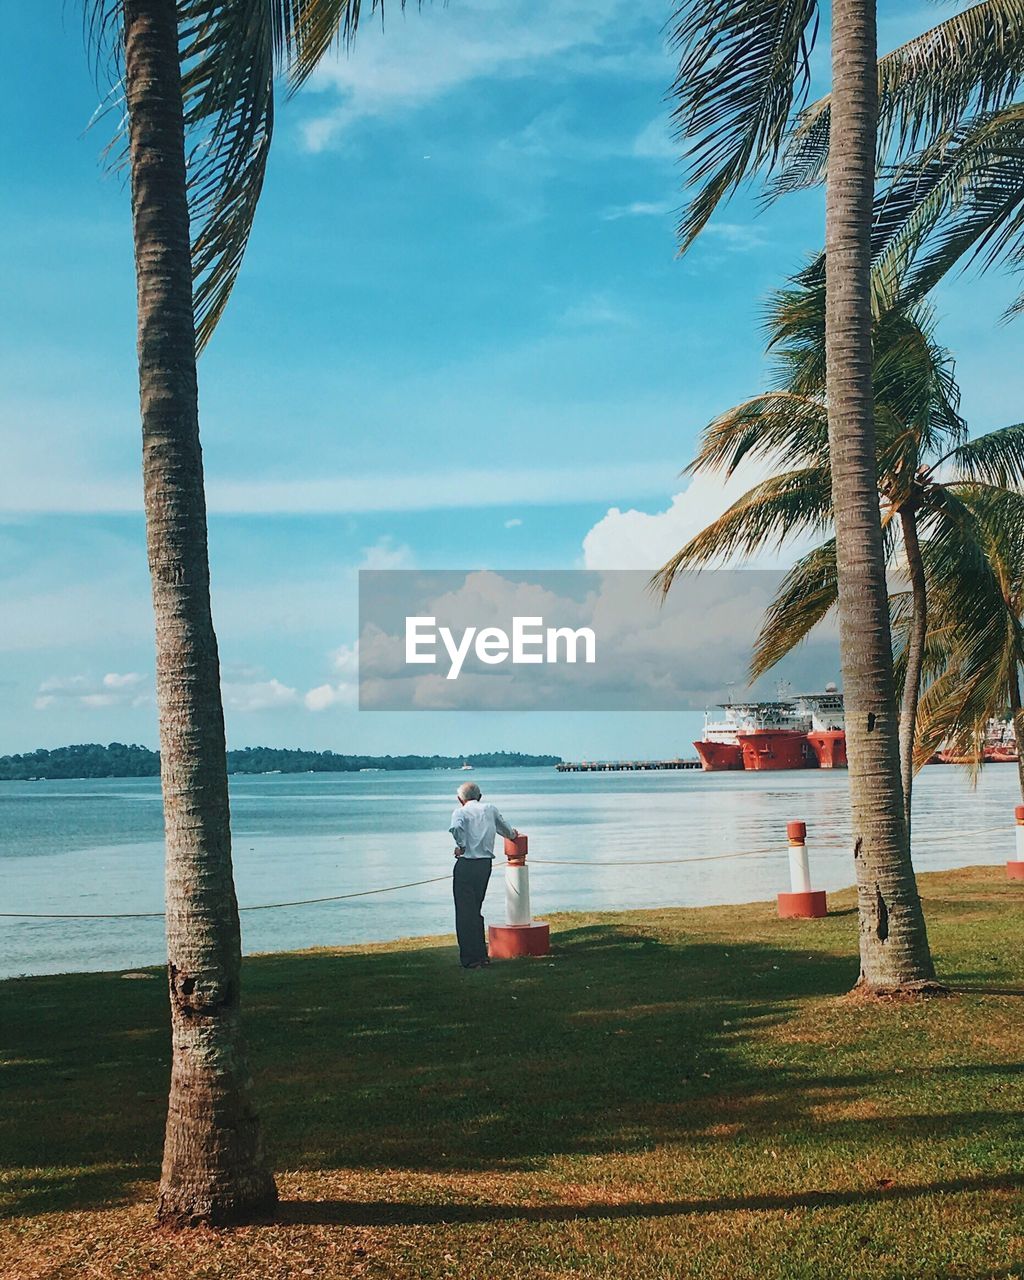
(951, 141)
(976, 650)
(233, 56)
(927, 468)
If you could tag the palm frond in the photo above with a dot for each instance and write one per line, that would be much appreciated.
(230, 53)
(743, 67)
(765, 517)
(321, 25)
(790, 429)
(806, 594)
(971, 63)
(959, 202)
(996, 458)
(975, 567)
(227, 58)
(795, 332)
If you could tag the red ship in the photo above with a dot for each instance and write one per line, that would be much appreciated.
(999, 747)
(806, 731)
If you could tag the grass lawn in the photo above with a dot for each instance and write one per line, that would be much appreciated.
(674, 1093)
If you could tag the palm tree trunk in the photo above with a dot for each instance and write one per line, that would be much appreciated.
(213, 1168)
(893, 942)
(915, 656)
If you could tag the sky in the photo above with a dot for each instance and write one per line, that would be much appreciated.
(462, 339)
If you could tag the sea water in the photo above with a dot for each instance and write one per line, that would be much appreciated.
(602, 841)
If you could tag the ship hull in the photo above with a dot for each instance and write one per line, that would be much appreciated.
(829, 747)
(719, 757)
(766, 750)
(769, 750)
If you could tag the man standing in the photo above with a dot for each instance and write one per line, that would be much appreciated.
(473, 828)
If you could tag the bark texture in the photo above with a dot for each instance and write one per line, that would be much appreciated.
(213, 1169)
(893, 942)
(915, 656)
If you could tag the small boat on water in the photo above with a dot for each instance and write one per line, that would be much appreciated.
(804, 731)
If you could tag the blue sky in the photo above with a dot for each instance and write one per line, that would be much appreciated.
(461, 338)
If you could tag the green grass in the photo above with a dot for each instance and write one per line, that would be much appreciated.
(673, 1094)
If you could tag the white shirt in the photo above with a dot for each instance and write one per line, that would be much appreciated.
(473, 828)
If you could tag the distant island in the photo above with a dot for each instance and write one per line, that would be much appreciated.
(116, 760)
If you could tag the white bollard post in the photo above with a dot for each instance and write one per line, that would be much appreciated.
(799, 870)
(517, 893)
(1015, 867)
(802, 902)
(520, 936)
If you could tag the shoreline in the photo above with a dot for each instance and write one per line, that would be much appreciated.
(96, 848)
(559, 920)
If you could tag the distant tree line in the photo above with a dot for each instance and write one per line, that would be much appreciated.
(117, 760)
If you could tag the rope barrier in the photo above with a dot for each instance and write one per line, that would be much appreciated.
(263, 906)
(415, 884)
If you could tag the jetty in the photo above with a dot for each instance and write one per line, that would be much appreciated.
(623, 766)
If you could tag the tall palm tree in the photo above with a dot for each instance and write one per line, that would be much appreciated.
(198, 84)
(742, 70)
(925, 463)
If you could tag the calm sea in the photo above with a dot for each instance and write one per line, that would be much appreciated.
(95, 846)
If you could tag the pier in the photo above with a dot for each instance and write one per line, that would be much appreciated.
(623, 766)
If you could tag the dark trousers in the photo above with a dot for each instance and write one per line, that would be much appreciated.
(469, 883)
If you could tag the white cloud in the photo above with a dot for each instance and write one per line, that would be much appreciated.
(352, 494)
(420, 57)
(330, 695)
(113, 690)
(257, 695)
(386, 554)
(112, 680)
(595, 311)
(654, 141)
(344, 691)
(735, 237)
(514, 523)
(643, 540)
(640, 209)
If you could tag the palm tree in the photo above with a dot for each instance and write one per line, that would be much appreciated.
(925, 462)
(742, 70)
(893, 942)
(198, 83)
(977, 651)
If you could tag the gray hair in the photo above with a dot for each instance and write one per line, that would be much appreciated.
(469, 791)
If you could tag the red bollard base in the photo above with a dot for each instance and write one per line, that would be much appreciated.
(510, 941)
(803, 906)
(1015, 870)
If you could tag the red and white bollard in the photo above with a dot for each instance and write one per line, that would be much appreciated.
(1015, 867)
(521, 935)
(802, 902)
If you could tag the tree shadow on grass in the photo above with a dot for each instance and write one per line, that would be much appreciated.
(622, 1040)
(383, 1213)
